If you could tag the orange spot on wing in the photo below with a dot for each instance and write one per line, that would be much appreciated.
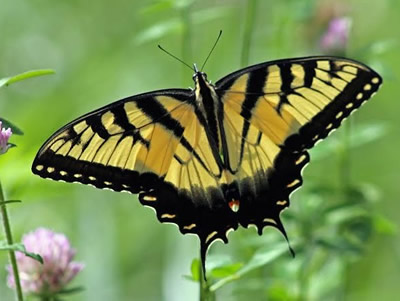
(234, 205)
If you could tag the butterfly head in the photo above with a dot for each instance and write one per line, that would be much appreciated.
(200, 79)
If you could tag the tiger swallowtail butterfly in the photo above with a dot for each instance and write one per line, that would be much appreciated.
(217, 156)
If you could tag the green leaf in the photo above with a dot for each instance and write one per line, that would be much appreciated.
(384, 225)
(226, 270)
(195, 270)
(9, 202)
(33, 73)
(56, 296)
(260, 258)
(20, 248)
(8, 124)
(217, 260)
(70, 291)
(218, 266)
(264, 256)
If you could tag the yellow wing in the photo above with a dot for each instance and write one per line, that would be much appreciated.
(273, 113)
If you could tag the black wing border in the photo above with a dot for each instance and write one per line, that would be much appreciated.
(220, 83)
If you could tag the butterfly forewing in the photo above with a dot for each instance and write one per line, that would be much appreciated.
(136, 135)
(306, 96)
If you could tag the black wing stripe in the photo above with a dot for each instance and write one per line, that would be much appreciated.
(154, 110)
(309, 68)
(190, 149)
(286, 84)
(121, 119)
(170, 140)
(260, 119)
(318, 126)
(138, 137)
(286, 77)
(97, 126)
(255, 84)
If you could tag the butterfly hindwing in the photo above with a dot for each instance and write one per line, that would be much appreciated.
(273, 113)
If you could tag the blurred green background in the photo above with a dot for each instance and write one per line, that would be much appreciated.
(105, 50)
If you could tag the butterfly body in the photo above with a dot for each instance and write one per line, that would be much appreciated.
(209, 105)
(218, 156)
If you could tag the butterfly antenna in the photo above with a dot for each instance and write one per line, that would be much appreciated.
(178, 59)
(212, 49)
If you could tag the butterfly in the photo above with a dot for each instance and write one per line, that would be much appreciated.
(217, 156)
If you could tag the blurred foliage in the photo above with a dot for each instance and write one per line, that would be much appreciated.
(342, 224)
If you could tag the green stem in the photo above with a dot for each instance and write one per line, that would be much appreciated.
(248, 28)
(222, 282)
(203, 286)
(11, 254)
(206, 294)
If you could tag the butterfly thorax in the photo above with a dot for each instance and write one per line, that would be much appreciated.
(209, 105)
